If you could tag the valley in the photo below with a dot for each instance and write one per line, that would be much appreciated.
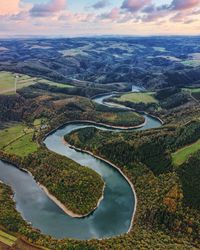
(104, 134)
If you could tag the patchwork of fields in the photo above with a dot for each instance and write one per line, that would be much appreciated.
(7, 82)
(17, 139)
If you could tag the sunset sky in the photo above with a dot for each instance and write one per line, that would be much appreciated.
(99, 17)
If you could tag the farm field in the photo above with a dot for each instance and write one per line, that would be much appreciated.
(11, 133)
(23, 146)
(181, 155)
(7, 239)
(17, 139)
(145, 97)
(7, 80)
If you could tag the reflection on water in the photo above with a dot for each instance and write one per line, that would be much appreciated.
(112, 217)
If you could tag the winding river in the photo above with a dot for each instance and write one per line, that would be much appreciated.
(112, 217)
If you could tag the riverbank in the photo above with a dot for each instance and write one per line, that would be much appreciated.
(64, 208)
(110, 126)
(114, 166)
(60, 204)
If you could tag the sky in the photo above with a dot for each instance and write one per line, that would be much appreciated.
(69, 18)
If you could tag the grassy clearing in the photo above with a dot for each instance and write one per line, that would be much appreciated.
(181, 155)
(17, 139)
(56, 84)
(23, 146)
(7, 239)
(146, 97)
(10, 134)
(7, 80)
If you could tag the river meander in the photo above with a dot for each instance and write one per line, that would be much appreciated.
(112, 217)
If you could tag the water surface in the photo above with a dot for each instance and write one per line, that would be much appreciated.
(111, 218)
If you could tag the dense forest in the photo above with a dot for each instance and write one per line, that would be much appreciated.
(77, 187)
(27, 106)
(168, 196)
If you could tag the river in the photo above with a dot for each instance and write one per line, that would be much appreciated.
(112, 217)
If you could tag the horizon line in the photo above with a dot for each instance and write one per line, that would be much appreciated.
(89, 36)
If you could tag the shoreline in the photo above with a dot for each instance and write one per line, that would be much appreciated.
(60, 204)
(111, 126)
(114, 166)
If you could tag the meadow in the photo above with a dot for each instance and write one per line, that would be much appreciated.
(17, 139)
(7, 82)
(145, 97)
(183, 154)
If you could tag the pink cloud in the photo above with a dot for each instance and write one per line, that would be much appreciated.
(184, 4)
(113, 15)
(9, 7)
(48, 9)
(134, 5)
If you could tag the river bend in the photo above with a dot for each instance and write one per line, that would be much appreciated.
(112, 217)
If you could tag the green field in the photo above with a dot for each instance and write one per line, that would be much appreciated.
(23, 146)
(146, 97)
(56, 84)
(17, 139)
(11, 133)
(7, 80)
(181, 155)
(7, 239)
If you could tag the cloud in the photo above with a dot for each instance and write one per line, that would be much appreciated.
(134, 5)
(177, 11)
(113, 15)
(21, 16)
(48, 9)
(184, 4)
(9, 7)
(100, 4)
(149, 8)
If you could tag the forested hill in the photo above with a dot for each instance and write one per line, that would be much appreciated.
(152, 62)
